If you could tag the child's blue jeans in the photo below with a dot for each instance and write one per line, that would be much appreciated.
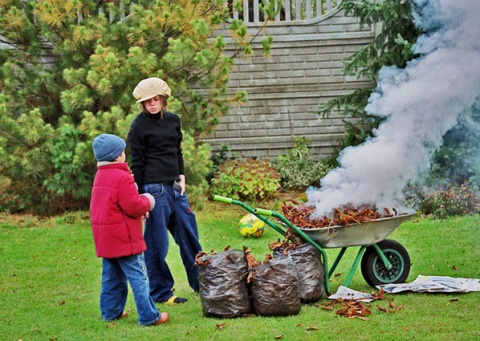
(116, 274)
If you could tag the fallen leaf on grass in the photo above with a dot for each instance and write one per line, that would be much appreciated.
(382, 309)
(221, 325)
(392, 309)
(390, 303)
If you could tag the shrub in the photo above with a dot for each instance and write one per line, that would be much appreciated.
(250, 180)
(218, 158)
(451, 201)
(298, 169)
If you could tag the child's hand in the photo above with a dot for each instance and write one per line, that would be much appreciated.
(146, 215)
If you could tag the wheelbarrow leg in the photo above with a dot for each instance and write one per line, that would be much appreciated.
(337, 260)
(355, 265)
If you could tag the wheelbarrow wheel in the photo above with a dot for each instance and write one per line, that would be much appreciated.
(374, 270)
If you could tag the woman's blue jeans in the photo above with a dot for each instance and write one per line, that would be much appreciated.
(115, 275)
(172, 213)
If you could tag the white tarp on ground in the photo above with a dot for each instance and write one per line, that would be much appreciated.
(431, 284)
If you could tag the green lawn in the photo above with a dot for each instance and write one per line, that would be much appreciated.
(50, 282)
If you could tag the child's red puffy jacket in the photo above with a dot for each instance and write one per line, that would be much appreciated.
(116, 211)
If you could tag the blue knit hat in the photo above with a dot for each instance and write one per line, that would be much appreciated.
(107, 147)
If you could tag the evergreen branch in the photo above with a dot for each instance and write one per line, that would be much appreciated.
(15, 137)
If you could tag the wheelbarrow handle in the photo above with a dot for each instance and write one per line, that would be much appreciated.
(222, 199)
(264, 212)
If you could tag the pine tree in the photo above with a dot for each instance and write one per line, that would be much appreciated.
(392, 46)
(67, 75)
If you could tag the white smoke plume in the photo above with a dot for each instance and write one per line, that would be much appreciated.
(420, 103)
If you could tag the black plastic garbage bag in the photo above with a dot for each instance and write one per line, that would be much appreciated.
(275, 288)
(223, 286)
(310, 270)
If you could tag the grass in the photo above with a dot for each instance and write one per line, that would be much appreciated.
(50, 283)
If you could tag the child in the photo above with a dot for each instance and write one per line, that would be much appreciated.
(116, 211)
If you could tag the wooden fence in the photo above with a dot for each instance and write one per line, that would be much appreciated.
(291, 11)
(285, 90)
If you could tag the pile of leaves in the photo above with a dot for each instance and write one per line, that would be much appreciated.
(290, 242)
(351, 308)
(302, 215)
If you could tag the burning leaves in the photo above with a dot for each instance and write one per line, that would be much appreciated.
(302, 215)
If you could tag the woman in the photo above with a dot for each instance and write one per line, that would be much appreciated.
(157, 164)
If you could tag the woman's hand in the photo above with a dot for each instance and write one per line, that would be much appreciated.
(182, 184)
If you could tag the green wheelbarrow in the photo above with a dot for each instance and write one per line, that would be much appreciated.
(383, 261)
